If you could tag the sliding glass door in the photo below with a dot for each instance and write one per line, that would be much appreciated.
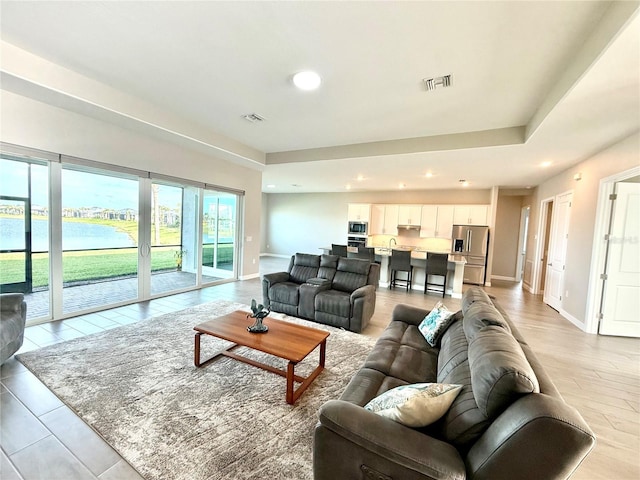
(24, 241)
(99, 239)
(219, 231)
(173, 237)
(80, 236)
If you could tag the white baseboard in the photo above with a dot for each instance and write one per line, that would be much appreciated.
(250, 276)
(574, 320)
(528, 288)
(274, 255)
(506, 279)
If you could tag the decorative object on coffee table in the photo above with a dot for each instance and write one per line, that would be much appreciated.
(259, 313)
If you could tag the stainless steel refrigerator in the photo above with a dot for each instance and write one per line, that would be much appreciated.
(472, 243)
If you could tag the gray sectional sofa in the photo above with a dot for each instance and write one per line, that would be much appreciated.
(508, 421)
(13, 317)
(328, 289)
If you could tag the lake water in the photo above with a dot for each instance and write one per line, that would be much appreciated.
(75, 235)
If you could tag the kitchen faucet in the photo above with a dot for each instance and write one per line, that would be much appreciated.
(394, 242)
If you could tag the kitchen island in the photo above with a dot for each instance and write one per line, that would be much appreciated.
(419, 261)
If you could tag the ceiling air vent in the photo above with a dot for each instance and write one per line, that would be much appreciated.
(253, 118)
(432, 83)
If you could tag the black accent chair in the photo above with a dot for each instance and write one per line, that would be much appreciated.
(339, 250)
(401, 262)
(436, 267)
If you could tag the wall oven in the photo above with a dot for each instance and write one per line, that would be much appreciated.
(356, 241)
(358, 228)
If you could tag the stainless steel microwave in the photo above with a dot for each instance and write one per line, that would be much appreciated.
(358, 228)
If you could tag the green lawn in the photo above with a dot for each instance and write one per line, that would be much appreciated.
(99, 265)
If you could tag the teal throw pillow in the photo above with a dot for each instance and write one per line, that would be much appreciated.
(415, 405)
(435, 323)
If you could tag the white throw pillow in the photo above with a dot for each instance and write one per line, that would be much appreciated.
(415, 405)
(435, 323)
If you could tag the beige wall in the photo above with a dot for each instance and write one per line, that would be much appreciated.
(615, 159)
(305, 222)
(37, 125)
(506, 235)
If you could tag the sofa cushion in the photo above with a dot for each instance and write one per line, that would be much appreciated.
(352, 273)
(334, 302)
(464, 422)
(285, 292)
(500, 372)
(480, 315)
(305, 266)
(415, 405)
(328, 266)
(473, 295)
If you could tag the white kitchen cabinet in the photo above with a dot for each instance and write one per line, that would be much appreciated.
(359, 212)
(436, 221)
(429, 221)
(384, 220)
(409, 214)
(444, 223)
(471, 214)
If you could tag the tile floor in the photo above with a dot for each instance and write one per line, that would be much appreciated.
(42, 439)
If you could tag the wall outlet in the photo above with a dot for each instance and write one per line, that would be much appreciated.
(566, 294)
(254, 261)
(249, 239)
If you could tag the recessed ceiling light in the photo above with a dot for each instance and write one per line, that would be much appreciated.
(428, 175)
(463, 182)
(307, 80)
(360, 178)
(402, 185)
(546, 164)
(348, 186)
(271, 185)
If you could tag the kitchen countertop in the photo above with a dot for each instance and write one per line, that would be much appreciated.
(418, 254)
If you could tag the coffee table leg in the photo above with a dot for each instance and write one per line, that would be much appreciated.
(290, 375)
(323, 349)
(196, 351)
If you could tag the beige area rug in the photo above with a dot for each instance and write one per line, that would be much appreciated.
(137, 386)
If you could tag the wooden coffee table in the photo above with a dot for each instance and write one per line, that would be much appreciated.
(285, 340)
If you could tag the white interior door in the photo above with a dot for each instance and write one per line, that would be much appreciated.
(621, 296)
(554, 282)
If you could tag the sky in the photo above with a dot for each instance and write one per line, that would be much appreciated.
(79, 189)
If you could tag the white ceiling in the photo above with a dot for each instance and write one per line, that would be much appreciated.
(565, 74)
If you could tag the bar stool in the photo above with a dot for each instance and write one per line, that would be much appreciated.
(366, 253)
(436, 267)
(340, 250)
(401, 262)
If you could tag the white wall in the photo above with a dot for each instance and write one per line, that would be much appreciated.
(33, 124)
(305, 222)
(617, 158)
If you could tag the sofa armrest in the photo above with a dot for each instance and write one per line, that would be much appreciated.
(270, 279)
(408, 314)
(363, 305)
(362, 438)
(538, 436)
(11, 302)
(320, 282)
(307, 296)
